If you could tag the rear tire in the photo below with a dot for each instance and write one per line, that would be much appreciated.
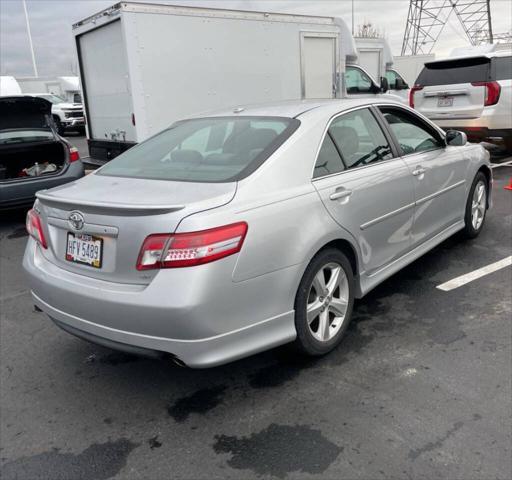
(476, 206)
(324, 303)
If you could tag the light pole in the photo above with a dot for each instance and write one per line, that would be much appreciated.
(34, 65)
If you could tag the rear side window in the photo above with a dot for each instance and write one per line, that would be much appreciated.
(503, 68)
(329, 160)
(466, 70)
(220, 149)
(359, 139)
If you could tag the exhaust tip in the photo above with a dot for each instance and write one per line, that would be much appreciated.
(178, 362)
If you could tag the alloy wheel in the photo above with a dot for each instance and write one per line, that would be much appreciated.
(478, 205)
(327, 302)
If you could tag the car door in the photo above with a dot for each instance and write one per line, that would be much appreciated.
(366, 187)
(439, 172)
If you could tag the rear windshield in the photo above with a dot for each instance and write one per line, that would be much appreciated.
(219, 149)
(455, 71)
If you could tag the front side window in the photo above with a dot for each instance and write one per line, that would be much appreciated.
(412, 134)
(357, 81)
(359, 139)
(204, 150)
(391, 77)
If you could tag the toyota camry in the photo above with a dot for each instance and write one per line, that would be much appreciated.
(233, 233)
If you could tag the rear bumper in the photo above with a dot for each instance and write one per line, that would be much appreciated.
(22, 193)
(201, 322)
(492, 123)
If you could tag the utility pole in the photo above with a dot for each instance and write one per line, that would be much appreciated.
(34, 65)
(352, 17)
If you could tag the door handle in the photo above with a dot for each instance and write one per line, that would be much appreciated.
(418, 171)
(340, 193)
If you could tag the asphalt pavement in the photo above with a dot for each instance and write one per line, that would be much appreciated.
(420, 388)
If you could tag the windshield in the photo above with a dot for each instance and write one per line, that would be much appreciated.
(53, 98)
(24, 136)
(204, 150)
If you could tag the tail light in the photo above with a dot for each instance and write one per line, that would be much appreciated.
(73, 154)
(34, 228)
(413, 90)
(189, 249)
(492, 92)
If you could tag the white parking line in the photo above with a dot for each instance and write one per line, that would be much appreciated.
(504, 164)
(474, 275)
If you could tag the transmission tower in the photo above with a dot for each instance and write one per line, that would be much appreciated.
(427, 19)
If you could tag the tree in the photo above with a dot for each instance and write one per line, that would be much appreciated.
(368, 30)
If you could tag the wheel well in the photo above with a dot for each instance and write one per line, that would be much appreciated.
(347, 248)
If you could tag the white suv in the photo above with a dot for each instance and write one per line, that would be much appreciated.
(472, 94)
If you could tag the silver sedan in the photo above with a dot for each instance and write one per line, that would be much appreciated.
(230, 234)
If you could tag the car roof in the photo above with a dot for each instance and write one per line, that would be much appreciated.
(496, 53)
(295, 108)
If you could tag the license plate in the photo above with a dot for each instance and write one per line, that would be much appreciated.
(84, 249)
(445, 102)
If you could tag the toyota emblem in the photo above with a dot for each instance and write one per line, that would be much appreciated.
(76, 220)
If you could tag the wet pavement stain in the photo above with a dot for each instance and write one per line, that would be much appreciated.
(199, 402)
(446, 330)
(154, 442)
(279, 450)
(277, 374)
(414, 454)
(98, 462)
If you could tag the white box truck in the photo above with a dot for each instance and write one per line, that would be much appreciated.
(144, 66)
(375, 57)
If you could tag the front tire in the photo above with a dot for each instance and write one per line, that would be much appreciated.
(476, 206)
(324, 303)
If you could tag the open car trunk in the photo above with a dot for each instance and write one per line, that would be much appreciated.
(28, 160)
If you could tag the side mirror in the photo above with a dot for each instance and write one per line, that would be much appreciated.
(400, 84)
(456, 138)
(384, 84)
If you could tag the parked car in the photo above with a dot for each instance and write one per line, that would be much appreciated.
(472, 94)
(33, 156)
(229, 234)
(67, 116)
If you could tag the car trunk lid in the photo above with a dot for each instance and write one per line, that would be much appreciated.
(452, 89)
(118, 214)
(21, 112)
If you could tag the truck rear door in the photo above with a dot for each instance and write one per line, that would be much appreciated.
(105, 82)
(318, 65)
(452, 89)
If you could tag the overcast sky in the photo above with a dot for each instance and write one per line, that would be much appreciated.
(51, 22)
